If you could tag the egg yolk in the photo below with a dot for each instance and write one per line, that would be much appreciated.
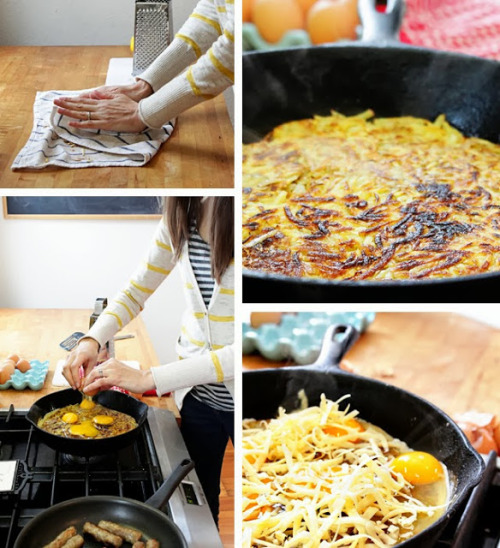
(87, 404)
(86, 429)
(418, 467)
(103, 420)
(338, 431)
(70, 418)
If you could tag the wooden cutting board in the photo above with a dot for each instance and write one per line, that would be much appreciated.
(449, 359)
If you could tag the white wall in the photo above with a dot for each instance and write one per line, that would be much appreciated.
(75, 22)
(68, 263)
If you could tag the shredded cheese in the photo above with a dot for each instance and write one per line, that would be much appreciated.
(320, 477)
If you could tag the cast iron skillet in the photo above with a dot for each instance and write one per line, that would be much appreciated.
(146, 517)
(88, 447)
(393, 80)
(403, 415)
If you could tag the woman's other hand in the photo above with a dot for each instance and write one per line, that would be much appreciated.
(136, 91)
(115, 373)
(84, 355)
(109, 112)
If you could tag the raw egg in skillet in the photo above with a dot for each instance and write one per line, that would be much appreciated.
(70, 418)
(87, 404)
(418, 467)
(103, 420)
(85, 430)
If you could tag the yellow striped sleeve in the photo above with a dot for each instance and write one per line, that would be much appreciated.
(218, 366)
(189, 285)
(217, 346)
(141, 288)
(229, 35)
(199, 315)
(163, 246)
(196, 48)
(117, 318)
(226, 291)
(194, 87)
(219, 66)
(131, 297)
(154, 268)
(214, 318)
(208, 21)
(192, 340)
(221, 9)
(130, 313)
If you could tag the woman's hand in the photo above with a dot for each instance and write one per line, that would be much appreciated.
(136, 91)
(109, 112)
(84, 355)
(115, 373)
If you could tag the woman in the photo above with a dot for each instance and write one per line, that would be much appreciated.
(196, 234)
(205, 44)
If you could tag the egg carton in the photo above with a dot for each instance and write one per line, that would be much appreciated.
(34, 378)
(298, 336)
(252, 40)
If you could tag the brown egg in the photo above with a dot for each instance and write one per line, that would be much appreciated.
(6, 370)
(13, 357)
(23, 365)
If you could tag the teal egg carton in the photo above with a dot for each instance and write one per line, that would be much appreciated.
(34, 378)
(252, 40)
(298, 336)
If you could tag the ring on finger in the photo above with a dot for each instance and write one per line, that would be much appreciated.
(89, 115)
(101, 372)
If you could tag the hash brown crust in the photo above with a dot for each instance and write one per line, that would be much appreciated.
(364, 198)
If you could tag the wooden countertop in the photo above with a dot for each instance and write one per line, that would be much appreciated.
(198, 154)
(36, 334)
(446, 358)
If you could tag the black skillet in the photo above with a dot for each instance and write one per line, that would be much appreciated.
(393, 80)
(88, 447)
(146, 517)
(422, 425)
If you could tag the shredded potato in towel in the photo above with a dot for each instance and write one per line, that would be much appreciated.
(320, 477)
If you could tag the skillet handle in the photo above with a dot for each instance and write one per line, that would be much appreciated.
(167, 488)
(379, 26)
(333, 349)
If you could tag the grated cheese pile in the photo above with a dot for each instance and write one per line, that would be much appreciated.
(320, 477)
(365, 198)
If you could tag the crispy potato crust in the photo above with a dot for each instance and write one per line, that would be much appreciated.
(364, 198)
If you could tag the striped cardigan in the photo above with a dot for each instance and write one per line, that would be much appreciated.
(205, 346)
(204, 44)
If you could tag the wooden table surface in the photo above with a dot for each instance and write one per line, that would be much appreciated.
(199, 153)
(36, 334)
(451, 360)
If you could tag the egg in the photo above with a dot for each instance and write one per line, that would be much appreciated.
(273, 18)
(87, 404)
(331, 20)
(338, 431)
(246, 10)
(13, 357)
(70, 418)
(85, 430)
(306, 5)
(103, 420)
(418, 467)
(23, 365)
(6, 369)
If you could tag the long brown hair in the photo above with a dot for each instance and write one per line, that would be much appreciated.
(180, 211)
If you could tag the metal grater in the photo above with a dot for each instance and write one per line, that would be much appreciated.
(152, 33)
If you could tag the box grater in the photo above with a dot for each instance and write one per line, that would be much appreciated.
(152, 32)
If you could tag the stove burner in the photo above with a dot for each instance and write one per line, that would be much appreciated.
(68, 459)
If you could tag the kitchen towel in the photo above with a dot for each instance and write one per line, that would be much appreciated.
(54, 143)
(471, 27)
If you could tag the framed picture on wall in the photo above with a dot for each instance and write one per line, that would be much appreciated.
(81, 207)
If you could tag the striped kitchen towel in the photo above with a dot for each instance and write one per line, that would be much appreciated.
(53, 142)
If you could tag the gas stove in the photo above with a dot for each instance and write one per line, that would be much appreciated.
(34, 477)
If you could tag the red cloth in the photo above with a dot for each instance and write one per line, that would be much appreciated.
(465, 26)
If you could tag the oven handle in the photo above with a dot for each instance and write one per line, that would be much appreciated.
(167, 488)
